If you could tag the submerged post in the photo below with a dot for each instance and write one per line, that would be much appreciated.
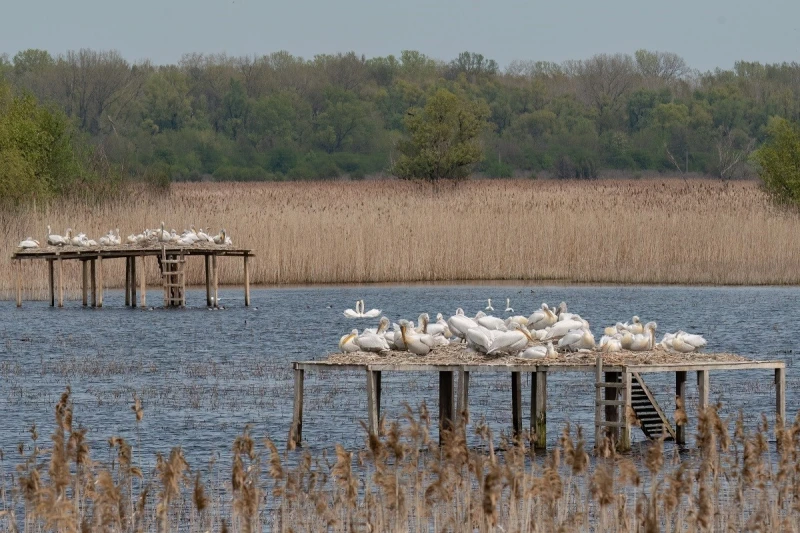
(625, 433)
(598, 397)
(100, 284)
(143, 281)
(296, 432)
(208, 279)
(516, 403)
(60, 283)
(133, 281)
(84, 282)
(93, 276)
(539, 409)
(246, 281)
(702, 390)
(680, 401)
(462, 400)
(373, 403)
(19, 282)
(216, 280)
(51, 279)
(445, 402)
(780, 395)
(127, 281)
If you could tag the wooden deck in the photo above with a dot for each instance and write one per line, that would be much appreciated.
(614, 384)
(92, 281)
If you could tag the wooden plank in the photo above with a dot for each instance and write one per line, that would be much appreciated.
(100, 284)
(702, 389)
(52, 282)
(18, 269)
(611, 402)
(372, 404)
(296, 432)
(625, 430)
(93, 276)
(701, 366)
(539, 410)
(608, 385)
(60, 283)
(598, 395)
(143, 281)
(246, 281)
(780, 395)
(462, 400)
(516, 403)
(216, 280)
(84, 282)
(680, 401)
(445, 402)
(207, 261)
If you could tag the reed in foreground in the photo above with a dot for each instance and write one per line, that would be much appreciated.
(403, 481)
(617, 231)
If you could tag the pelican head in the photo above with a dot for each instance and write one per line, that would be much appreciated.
(545, 307)
(383, 325)
(459, 311)
(424, 319)
(636, 320)
(562, 308)
(439, 316)
(347, 338)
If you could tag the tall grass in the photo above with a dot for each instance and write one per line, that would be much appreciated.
(402, 480)
(628, 231)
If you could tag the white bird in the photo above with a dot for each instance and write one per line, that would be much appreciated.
(643, 341)
(440, 327)
(489, 306)
(220, 238)
(357, 313)
(55, 240)
(636, 327)
(561, 328)
(480, 338)
(519, 319)
(577, 339)
(539, 352)
(610, 343)
(372, 342)
(372, 313)
(347, 342)
(414, 343)
(492, 322)
(202, 236)
(508, 306)
(459, 324)
(511, 342)
(542, 318)
(383, 325)
(29, 243)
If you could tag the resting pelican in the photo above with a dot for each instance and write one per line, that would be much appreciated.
(644, 341)
(561, 328)
(610, 344)
(347, 342)
(492, 322)
(636, 327)
(542, 318)
(55, 240)
(349, 313)
(459, 324)
(577, 339)
(508, 306)
(440, 327)
(480, 338)
(383, 325)
(511, 342)
(682, 342)
(29, 242)
(372, 313)
(414, 343)
(539, 352)
(489, 306)
(372, 342)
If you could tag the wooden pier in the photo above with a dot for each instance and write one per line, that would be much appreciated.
(622, 400)
(171, 260)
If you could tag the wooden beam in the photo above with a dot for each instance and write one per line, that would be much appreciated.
(60, 283)
(127, 281)
(85, 282)
(707, 365)
(539, 409)
(780, 395)
(133, 282)
(143, 282)
(216, 280)
(93, 276)
(100, 283)
(246, 281)
(51, 278)
(516, 403)
(462, 399)
(625, 431)
(612, 411)
(296, 432)
(372, 404)
(208, 279)
(18, 269)
(680, 400)
(702, 390)
(445, 402)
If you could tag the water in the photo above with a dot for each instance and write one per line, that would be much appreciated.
(204, 375)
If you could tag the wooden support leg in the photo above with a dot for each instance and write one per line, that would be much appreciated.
(516, 403)
(702, 390)
(539, 409)
(216, 280)
(100, 283)
(680, 400)
(143, 282)
(445, 402)
(612, 411)
(625, 433)
(93, 276)
(598, 408)
(372, 403)
(19, 281)
(208, 280)
(133, 282)
(462, 400)
(60, 283)
(246, 281)
(780, 395)
(51, 279)
(84, 283)
(296, 433)
(377, 375)
(127, 281)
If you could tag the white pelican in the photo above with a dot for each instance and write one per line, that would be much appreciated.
(372, 313)
(541, 319)
(459, 324)
(55, 240)
(539, 352)
(28, 243)
(682, 342)
(414, 343)
(489, 306)
(577, 339)
(610, 344)
(511, 342)
(561, 328)
(383, 325)
(357, 313)
(372, 342)
(220, 238)
(643, 341)
(347, 342)
(440, 327)
(492, 322)
(163, 235)
(508, 306)
(202, 236)
(636, 327)
(519, 319)
(480, 338)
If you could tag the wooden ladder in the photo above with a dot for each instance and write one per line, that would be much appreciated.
(612, 395)
(173, 278)
(652, 419)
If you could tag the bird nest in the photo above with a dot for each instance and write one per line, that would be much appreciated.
(459, 354)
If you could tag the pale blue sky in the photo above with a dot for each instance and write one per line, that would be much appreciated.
(707, 33)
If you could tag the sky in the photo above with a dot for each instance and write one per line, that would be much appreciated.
(706, 33)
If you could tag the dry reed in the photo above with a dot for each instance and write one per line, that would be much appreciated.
(618, 231)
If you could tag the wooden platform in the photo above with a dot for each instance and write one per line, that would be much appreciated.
(614, 389)
(92, 258)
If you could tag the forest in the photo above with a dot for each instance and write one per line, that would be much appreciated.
(283, 117)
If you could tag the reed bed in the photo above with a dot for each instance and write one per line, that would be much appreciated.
(402, 480)
(617, 231)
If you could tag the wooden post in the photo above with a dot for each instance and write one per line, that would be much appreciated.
(598, 396)
(612, 411)
(216, 280)
(372, 403)
(133, 281)
(702, 390)
(51, 279)
(516, 403)
(246, 281)
(445, 402)
(296, 432)
(680, 400)
(625, 433)
(539, 409)
(19, 282)
(127, 281)
(376, 374)
(143, 282)
(208, 280)
(100, 284)
(60, 283)
(84, 282)
(462, 400)
(93, 276)
(780, 395)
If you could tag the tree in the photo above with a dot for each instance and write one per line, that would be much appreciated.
(779, 161)
(442, 138)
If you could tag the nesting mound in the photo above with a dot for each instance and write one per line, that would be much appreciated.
(458, 354)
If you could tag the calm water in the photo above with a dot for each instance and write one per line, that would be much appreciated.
(203, 375)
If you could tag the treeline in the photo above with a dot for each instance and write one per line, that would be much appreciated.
(280, 116)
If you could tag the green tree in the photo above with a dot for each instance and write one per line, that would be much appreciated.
(779, 161)
(166, 104)
(442, 140)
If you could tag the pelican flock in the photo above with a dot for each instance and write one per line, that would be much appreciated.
(544, 333)
(161, 235)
